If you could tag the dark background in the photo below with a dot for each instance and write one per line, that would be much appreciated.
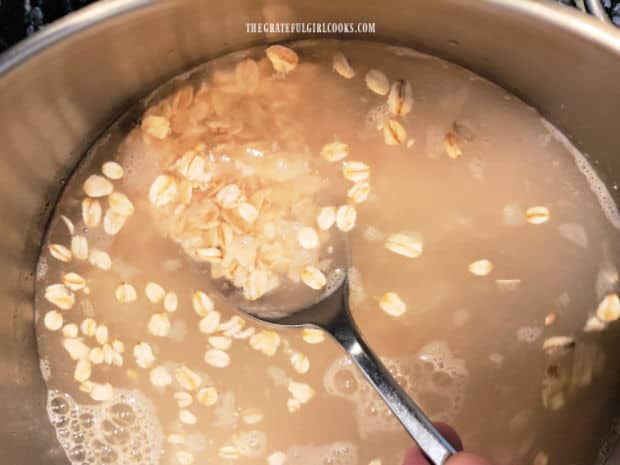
(21, 18)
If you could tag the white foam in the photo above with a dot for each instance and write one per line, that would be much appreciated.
(528, 334)
(496, 358)
(46, 370)
(605, 200)
(42, 268)
(373, 234)
(251, 443)
(122, 430)
(376, 116)
(435, 378)
(336, 453)
(442, 358)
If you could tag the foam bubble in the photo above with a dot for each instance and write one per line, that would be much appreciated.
(122, 430)
(376, 116)
(334, 280)
(528, 334)
(251, 443)
(46, 370)
(342, 379)
(442, 358)
(373, 234)
(336, 453)
(496, 358)
(42, 268)
(435, 377)
(605, 200)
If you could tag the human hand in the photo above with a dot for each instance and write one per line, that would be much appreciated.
(416, 457)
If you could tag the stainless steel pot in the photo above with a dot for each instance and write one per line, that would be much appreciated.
(60, 88)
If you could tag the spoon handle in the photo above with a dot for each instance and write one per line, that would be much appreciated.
(432, 443)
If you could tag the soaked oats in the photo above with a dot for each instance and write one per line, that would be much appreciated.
(400, 98)
(394, 133)
(377, 82)
(244, 172)
(342, 66)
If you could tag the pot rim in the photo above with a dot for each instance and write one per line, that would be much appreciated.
(571, 20)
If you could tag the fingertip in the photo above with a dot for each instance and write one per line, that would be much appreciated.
(450, 434)
(466, 458)
(415, 456)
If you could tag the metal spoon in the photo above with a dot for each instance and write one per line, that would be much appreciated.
(330, 312)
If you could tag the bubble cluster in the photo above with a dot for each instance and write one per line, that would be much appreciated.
(435, 378)
(42, 268)
(528, 334)
(46, 370)
(336, 453)
(251, 443)
(334, 280)
(377, 115)
(373, 234)
(122, 431)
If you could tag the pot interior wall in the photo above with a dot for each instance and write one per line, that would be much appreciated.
(56, 102)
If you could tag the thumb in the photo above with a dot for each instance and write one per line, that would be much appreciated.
(415, 456)
(466, 458)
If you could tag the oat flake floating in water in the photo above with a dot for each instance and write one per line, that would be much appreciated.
(537, 215)
(481, 267)
(609, 308)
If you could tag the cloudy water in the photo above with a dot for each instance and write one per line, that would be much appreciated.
(484, 255)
